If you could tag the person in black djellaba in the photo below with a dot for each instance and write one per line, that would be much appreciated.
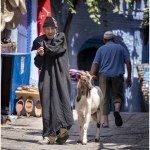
(54, 83)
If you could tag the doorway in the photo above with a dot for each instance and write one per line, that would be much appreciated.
(85, 59)
(87, 54)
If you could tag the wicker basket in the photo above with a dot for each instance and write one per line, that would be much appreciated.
(5, 48)
(8, 48)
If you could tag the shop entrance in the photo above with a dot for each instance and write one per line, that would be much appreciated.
(86, 55)
(85, 60)
(15, 72)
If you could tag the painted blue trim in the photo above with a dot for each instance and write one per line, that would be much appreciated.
(29, 20)
(145, 53)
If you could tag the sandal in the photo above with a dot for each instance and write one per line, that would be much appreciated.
(29, 107)
(19, 106)
(118, 119)
(38, 109)
(103, 126)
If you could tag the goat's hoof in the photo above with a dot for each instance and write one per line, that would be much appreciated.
(96, 140)
(84, 142)
(79, 141)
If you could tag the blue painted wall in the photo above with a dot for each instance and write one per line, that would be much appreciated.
(127, 32)
(24, 35)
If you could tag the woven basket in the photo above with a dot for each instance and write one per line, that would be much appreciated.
(8, 48)
(5, 48)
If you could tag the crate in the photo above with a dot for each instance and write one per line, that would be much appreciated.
(25, 94)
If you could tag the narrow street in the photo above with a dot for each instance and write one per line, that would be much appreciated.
(23, 134)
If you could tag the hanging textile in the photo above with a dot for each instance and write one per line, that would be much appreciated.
(44, 9)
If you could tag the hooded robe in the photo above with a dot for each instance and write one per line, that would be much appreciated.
(54, 83)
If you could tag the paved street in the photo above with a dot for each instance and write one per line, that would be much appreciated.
(23, 134)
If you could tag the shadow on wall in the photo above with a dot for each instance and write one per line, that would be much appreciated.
(133, 100)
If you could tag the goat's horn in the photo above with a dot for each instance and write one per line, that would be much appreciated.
(87, 72)
(82, 72)
(94, 77)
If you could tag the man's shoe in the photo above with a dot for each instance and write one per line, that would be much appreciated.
(63, 136)
(118, 119)
(44, 141)
(105, 126)
(52, 138)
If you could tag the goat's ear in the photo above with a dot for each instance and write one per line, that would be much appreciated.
(94, 77)
(79, 76)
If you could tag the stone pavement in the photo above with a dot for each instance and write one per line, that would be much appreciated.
(23, 134)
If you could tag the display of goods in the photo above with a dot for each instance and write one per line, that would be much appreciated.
(27, 91)
(8, 47)
(143, 73)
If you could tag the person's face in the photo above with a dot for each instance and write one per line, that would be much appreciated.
(50, 32)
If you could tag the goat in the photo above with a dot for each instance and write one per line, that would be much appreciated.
(88, 104)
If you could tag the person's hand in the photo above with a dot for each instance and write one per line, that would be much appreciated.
(41, 51)
(128, 82)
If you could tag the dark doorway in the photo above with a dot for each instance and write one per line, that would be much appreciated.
(87, 54)
(85, 59)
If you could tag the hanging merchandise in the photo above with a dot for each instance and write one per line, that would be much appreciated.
(7, 11)
(15, 20)
(11, 11)
(22, 6)
(3, 23)
(44, 10)
(2, 2)
(5, 33)
(14, 3)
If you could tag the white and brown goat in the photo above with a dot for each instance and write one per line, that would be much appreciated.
(88, 103)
